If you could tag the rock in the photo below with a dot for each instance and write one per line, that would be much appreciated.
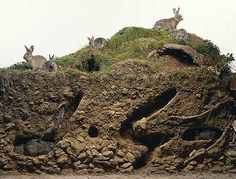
(207, 160)
(63, 159)
(58, 152)
(118, 159)
(120, 153)
(82, 171)
(231, 153)
(64, 144)
(126, 165)
(80, 139)
(127, 170)
(111, 147)
(82, 156)
(9, 126)
(43, 157)
(76, 165)
(190, 167)
(102, 158)
(108, 154)
(199, 96)
(171, 169)
(97, 170)
(193, 163)
(36, 161)
(130, 157)
(82, 166)
(217, 169)
(95, 153)
(91, 166)
(202, 167)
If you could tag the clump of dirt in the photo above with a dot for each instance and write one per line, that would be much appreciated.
(133, 118)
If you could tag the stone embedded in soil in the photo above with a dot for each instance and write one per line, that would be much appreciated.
(193, 163)
(130, 157)
(202, 167)
(118, 159)
(95, 153)
(108, 154)
(82, 155)
(190, 167)
(80, 139)
(120, 153)
(101, 157)
(82, 166)
(77, 164)
(126, 165)
(231, 153)
(63, 159)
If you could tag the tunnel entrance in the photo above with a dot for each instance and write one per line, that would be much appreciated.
(93, 131)
(152, 106)
(151, 142)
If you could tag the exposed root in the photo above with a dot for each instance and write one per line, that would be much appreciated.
(202, 116)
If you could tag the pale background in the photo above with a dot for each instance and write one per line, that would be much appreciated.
(61, 27)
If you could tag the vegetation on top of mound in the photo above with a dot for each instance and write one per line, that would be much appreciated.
(21, 66)
(134, 43)
(129, 43)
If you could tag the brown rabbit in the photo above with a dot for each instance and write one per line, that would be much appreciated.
(169, 24)
(33, 62)
(180, 34)
(50, 65)
(96, 43)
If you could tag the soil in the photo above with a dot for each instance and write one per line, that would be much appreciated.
(131, 120)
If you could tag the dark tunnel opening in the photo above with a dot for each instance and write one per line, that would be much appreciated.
(181, 56)
(151, 142)
(152, 106)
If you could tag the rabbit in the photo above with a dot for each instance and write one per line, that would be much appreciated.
(37, 147)
(180, 34)
(205, 135)
(34, 62)
(50, 65)
(96, 43)
(169, 24)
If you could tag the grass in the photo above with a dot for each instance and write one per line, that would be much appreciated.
(132, 43)
(128, 43)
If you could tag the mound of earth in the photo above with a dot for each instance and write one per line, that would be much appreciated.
(152, 113)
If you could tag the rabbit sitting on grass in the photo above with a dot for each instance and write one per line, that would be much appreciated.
(180, 34)
(50, 65)
(169, 24)
(96, 43)
(34, 62)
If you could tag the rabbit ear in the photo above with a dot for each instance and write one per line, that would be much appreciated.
(178, 10)
(27, 49)
(89, 39)
(92, 38)
(51, 57)
(32, 48)
(174, 10)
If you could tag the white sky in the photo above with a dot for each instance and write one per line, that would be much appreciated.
(61, 27)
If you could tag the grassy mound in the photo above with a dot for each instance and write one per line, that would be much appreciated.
(134, 43)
